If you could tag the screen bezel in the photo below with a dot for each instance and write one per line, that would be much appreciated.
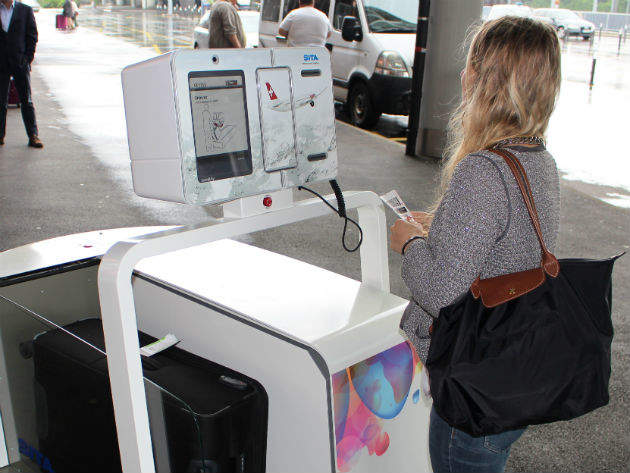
(214, 167)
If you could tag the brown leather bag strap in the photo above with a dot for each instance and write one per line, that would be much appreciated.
(530, 195)
(523, 175)
(523, 183)
(549, 261)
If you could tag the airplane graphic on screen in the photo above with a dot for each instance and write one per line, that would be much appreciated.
(284, 105)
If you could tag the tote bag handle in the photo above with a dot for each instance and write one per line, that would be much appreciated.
(549, 262)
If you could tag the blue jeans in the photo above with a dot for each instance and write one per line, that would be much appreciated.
(454, 451)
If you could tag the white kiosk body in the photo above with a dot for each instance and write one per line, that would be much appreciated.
(215, 125)
(343, 384)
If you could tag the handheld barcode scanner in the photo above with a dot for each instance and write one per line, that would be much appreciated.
(280, 366)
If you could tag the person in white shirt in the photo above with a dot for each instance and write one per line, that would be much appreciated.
(306, 26)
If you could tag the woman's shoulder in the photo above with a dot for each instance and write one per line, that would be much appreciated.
(487, 173)
(477, 181)
(532, 159)
(480, 165)
(539, 153)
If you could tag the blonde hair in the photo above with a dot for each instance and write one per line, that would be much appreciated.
(512, 83)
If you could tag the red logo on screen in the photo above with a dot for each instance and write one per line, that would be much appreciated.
(272, 94)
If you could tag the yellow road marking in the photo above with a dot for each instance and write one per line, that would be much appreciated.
(370, 132)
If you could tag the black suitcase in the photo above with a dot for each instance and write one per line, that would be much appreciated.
(214, 419)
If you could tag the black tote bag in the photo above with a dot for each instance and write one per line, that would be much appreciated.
(524, 348)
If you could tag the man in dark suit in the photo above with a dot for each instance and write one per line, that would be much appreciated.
(18, 37)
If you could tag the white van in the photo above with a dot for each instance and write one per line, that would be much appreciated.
(372, 50)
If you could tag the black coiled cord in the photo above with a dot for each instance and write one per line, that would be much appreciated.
(341, 211)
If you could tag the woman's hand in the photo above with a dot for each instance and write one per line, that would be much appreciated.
(402, 231)
(424, 219)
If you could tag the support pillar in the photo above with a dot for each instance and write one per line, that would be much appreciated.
(449, 23)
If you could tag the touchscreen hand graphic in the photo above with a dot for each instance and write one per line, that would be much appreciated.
(217, 133)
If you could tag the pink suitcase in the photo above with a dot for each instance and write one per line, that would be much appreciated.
(14, 98)
(62, 22)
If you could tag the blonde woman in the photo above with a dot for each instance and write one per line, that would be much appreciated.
(480, 226)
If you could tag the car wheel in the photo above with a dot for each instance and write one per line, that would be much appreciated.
(361, 108)
(561, 32)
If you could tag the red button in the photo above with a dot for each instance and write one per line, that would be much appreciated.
(267, 201)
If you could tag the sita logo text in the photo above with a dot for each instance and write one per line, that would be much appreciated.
(31, 452)
(310, 57)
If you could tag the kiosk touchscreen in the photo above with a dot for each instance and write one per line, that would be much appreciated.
(220, 125)
(216, 125)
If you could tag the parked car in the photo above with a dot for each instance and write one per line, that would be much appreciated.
(567, 22)
(34, 4)
(497, 11)
(372, 51)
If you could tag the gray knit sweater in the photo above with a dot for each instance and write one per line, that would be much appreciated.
(481, 228)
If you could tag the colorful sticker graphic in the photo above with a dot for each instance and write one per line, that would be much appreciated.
(365, 396)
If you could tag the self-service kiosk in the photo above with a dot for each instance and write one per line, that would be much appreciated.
(277, 361)
(214, 126)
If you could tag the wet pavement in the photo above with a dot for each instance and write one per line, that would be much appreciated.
(154, 28)
(143, 28)
(587, 131)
